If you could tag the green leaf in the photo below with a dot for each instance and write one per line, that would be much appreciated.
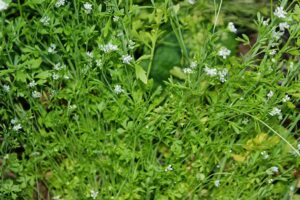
(245, 39)
(21, 76)
(43, 75)
(141, 74)
(34, 64)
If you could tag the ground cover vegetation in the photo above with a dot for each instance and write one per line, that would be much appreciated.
(132, 99)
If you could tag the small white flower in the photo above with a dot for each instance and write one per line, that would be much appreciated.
(275, 111)
(169, 168)
(127, 59)
(45, 20)
(192, 2)
(94, 194)
(55, 76)
(3, 5)
(6, 88)
(210, 71)
(118, 89)
(286, 98)
(277, 35)
(99, 62)
(60, 3)
(266, 22)
(231, 27)
(32, 84)
(36, 94)
(52, 48)
(17, 127)
(275, 169)
(193, 65)
(58, 66)
(88, 7)
(109, 47)
(224, 52)
(272, 52)
(264, 155)
(187, 70)
(280, 13)
(116, 18)
(217, 183)
(222, 75)
(131, 44)
(270, 94)
(14, 121)
(90, 54)
(283, 26)
(272, 170)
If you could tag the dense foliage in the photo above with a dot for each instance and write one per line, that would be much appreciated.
(128, 99)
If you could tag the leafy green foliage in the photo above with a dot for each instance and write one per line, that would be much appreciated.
(149, 100)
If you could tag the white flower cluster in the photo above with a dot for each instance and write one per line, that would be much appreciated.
(55, 76)
(286, 99)
(224, 52)
(118, 89)
(109, 48)
(127, 59)
(59, 66)
(190, 69)
(283, 26)
(212, 72)
(276, 111)
(187, 70)
(279, 12)
(3, 5)
(32, 84)
(16, 126)
(45, 20)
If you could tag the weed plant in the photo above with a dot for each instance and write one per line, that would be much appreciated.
(128, 99)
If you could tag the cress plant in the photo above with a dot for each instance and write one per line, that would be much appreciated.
(131, 99)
